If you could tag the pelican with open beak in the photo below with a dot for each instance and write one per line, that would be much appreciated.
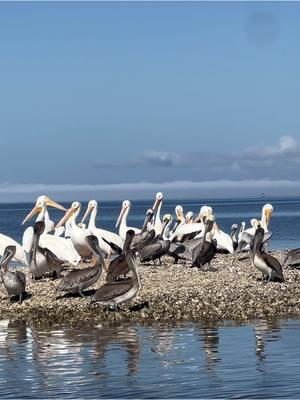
(101, 234)
(122, 220)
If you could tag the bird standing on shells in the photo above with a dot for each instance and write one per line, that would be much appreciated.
(268, 265)
(205, 252)
(14, 281)
(42, 260)
(112, 294)
(76, 281)
(119, 266)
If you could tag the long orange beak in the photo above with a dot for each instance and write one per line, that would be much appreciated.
(268, 214)
(37, 208)
(88, 211)
(65, 218)
(121, 216)
(156, 204)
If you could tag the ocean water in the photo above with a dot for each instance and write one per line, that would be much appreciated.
(285, 222)
(260, 359)
(191, 360)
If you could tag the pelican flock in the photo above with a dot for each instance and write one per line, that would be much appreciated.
(51, 249)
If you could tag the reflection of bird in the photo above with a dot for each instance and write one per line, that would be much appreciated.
(264, 328)
(210, 337)
(13, 281)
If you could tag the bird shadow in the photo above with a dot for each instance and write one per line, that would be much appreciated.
(87, 293)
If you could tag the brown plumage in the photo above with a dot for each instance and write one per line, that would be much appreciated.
(268, 265)
(119, 265)
(81, 279)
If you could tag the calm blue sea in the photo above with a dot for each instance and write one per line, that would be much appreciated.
(260, 359)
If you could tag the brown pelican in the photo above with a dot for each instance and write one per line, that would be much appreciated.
(145, 236)
(81, 279)
(157, 247)
(42, 260)
(111, 294)
(292, 258)
(234, 236)
(205, 252)
(268, 265)
(119, 265)
(14, 281)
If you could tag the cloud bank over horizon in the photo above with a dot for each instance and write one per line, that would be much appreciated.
(271, 169)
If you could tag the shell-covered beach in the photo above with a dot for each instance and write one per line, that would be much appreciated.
(231, 289)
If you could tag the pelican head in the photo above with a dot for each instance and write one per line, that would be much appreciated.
(125, 207)
(167, 218)
(41, 203)
(179, 213)
(93, 205)
(93, 244)
(73, 210)
(9, 254)
(204, 211)
(158, 199)
(148, 218)
(189, 217)
(267, 213)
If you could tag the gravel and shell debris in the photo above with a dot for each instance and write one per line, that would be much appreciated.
(230, 289)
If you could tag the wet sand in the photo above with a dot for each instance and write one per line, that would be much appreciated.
(230, 289)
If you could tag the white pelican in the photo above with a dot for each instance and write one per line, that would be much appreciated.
(186, 228)
(20, 255)
(189, 217)
(78, 235)
(122, 220)
(157, 223)
(101, 233)
(40, 208)
(247, 235)
(61, 247)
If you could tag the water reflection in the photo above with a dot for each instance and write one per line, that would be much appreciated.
(265, 331)
(210, 339)
(169, 360)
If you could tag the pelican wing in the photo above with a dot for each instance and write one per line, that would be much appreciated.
(274, 264)
(114, 247)
(51, 258)
(111, 290)
(150, 249)
(75, 278)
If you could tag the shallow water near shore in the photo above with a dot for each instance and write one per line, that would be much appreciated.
(260, 359)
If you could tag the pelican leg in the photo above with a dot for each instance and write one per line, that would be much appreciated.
(81, 294)
(20, 298)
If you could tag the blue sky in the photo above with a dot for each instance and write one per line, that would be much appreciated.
(198, 98)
